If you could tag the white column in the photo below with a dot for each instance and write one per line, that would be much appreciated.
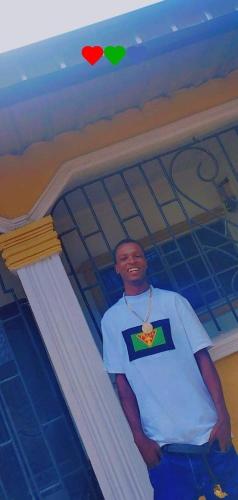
(87, 389)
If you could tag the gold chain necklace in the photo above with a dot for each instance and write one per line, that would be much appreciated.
(146, 326)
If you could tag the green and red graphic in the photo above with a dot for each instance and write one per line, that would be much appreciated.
(114, 54)
(147, 340)
(140, 344)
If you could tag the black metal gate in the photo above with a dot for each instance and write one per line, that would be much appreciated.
(182, 206)
(41, 456)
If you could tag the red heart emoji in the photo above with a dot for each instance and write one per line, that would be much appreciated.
(92, 54)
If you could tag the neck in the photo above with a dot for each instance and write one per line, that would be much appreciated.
(136, 288)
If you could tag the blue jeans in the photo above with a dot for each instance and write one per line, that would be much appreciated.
(187, 477)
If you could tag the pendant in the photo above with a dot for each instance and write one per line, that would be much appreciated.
(218, 491)
(147, 327)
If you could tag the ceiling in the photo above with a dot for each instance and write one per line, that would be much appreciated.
(47, 104)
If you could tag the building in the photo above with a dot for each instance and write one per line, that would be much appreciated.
(148, 148)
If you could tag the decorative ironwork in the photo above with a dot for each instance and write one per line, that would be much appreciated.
(41, 455)
(172, 205)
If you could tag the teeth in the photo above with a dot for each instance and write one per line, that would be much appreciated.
(133, 269)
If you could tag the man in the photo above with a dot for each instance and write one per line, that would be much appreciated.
(168, 386)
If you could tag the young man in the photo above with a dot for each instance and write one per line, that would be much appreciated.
(168, 387)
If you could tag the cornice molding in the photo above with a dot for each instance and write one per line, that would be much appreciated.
(124, 153)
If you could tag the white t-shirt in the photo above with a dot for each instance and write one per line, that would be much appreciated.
(175, 405)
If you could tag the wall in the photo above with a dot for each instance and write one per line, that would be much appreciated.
(228, 371)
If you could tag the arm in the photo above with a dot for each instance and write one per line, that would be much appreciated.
(222, 429)
(148, 448)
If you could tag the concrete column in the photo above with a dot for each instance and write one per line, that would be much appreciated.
(32, 251)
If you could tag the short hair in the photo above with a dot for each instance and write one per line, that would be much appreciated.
(124, 242)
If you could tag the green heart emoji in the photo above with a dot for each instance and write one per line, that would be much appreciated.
(114, 54)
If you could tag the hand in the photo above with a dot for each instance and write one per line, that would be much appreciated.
(149, 449)
(222, 432)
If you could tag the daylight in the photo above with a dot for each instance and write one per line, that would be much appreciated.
(28, 21)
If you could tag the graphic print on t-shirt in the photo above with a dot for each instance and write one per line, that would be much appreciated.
(140, 344)
(146, 338)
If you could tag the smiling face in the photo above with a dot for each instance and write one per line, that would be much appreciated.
(131, 264)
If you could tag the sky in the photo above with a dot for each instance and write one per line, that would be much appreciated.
(27, 21)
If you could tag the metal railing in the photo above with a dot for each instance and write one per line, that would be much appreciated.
(173, 204)
(40, 452)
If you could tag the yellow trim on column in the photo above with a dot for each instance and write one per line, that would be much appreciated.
(29, 243)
